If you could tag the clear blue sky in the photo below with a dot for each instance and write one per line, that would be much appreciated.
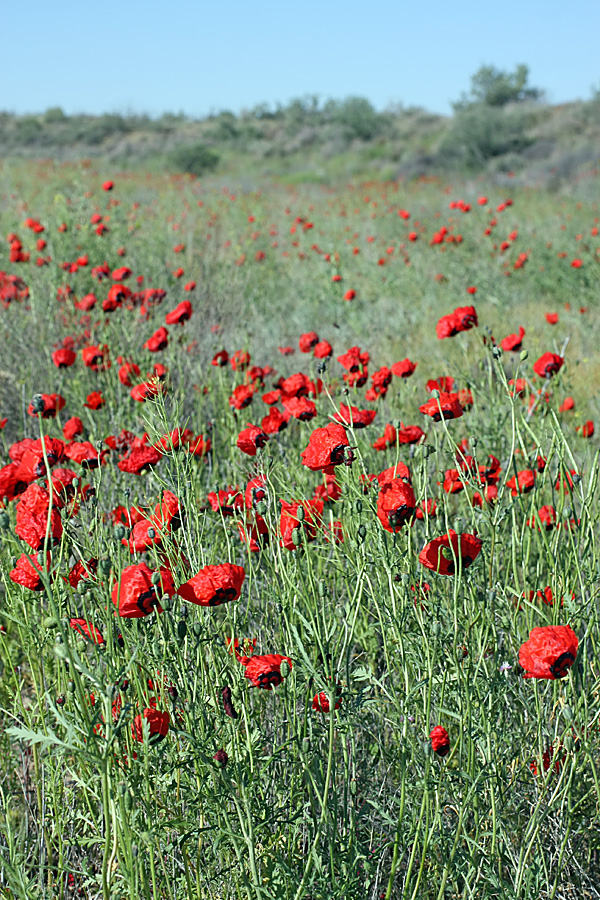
(197, 56)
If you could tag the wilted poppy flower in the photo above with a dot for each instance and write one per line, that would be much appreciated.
(404, 368)
(214, 585)
(157, 725)
(548, 364)
(251, 439)
(265, 671)
(181, 313)
(135, 594)
(326, 448)
(513, 342)
(440, 741)
(240, 360)
(446, 406)
(549, 653)
(254, 532)
(27, 572)
(442, 553)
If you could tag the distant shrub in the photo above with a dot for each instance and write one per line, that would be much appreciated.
(480, 133)
(195, 159)
(54, 115)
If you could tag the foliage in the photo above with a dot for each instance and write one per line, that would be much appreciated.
(195, 159)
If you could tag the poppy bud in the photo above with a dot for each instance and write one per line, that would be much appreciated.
(322, 589)
(181, 629)
(166, 603)
(120, 532)
(567, 713)
(183, 611)
(523, 355)
(71, 687)
(155, 577)
(435, 394)
(37, 404)
(285, 669)
(361, 534)
(61, 700)
(575, 478)
(297, 537)
(50, 622)
(567, 512)
(353, 787)
(197, 629)
(358, 507)
(568, 742)
(300, 514)
(4, 520)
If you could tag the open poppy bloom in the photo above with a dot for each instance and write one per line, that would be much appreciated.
(549, 653)
(522, 482)
(404, 368)
(395, 504)
(214, 585)
(446, 406)
(157, 724)
(513, 342)
(442, 553)
(548, 364)
(265, 671)
(34, 524)
(181, 313)
(352, 416)
(86, 630)
(27, 572)
(326, 448)
(135, 594)
(308, 521)
(251, 439)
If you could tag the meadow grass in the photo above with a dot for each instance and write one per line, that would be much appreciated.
(354, 801)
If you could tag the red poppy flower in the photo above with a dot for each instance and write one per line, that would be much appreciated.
(350, 295)
(404, 368)
(87, 630)
(462, 319)
(242, 396)
(440, 553)
(254, 532)
(522, 482)
(551, 318)
(12, 483)
(291, 526)
(308, 341)
(352, 416)
(586, 430)
(95, 400)
(567, 404)
(388, 438)
(300, 408)
(158, 341)
(321, 701)
(399, 470)
(440, 741)
(157, 725)
(226, 501)
(444, 384)
(84, 453)
(108, 186)
(95, 358)
(214, 585)
(274, 422)
(35, 457)
(46, 405)
(251, 439)
(326, 448)
(549, 653)
(548, 364)
(27, 572)
(181, 313)
(34, 521)
(64, 358)
(72, 428)
(255, 492)
(136, 595)
(265, 671)
(395, 504)
(322, 350)
(239, 361)
(446, 406)
(513, 342)
(221, 358)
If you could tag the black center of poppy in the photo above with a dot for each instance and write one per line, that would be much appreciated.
(560, 666)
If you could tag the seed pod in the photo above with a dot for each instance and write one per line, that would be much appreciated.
(155, 577)
(567, 713)
(353, 787)
(523, 355)
(181, 629)
(228, 703)
(37, 404)
(285, 669)
(120, 532)
(4, 520)
(166, 603)
(197, 629)
(358, 507)
(301, 514)
(361, 534)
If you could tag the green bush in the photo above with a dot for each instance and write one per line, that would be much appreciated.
(195, 159)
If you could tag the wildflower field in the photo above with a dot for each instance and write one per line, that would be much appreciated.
(298, 539)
